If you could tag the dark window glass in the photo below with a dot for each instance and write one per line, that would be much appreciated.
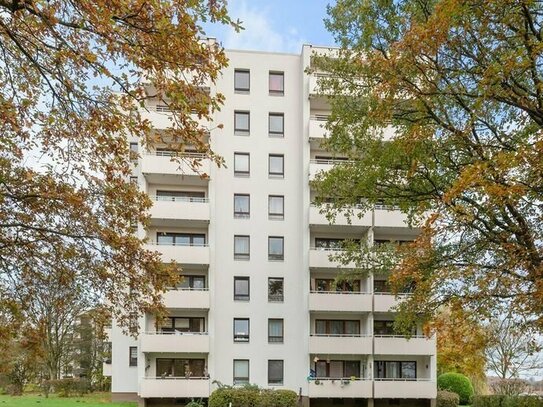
(241, 247)
(242, 80)
(241, 288)
(275, 330)
(241, 205)
(383, 327)
(276, 165)
(277, 83)
(337, 369)
(133, 356)
(241, 123)
(337, 327)
(181, 324)
(189, 282)
(381, 286)
(166, 367)
(276, 248)
(275, 289)
(276, 124)
(329, 284)
(275, 372)
(241, 329)
(241, 371)
(181, 239)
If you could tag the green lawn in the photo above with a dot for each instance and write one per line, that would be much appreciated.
(34, 400)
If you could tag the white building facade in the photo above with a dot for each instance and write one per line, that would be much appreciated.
(258, 303)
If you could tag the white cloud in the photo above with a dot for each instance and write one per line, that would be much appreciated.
(259, 33)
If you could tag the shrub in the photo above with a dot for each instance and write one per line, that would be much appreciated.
(252, 396)
(447, 399)
(70, 387)
(457, 383)
(507, 401)
(195, 403)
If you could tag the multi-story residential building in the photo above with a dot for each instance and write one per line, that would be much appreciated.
(258, 303)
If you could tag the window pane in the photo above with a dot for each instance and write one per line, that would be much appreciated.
(276, 82)
(241, 371)
(276, 205)
(275, 248)
(276, 164)
(275, 330)
(409, 370)
(276, 124)
(198, 240)
(275, 289)
(321, 369)
(336, 327)
(241, 330)
(182, 240)
(352, 368)
(241, 245)
(241, 288)
(336, 368)
(392, 370)
(164, 367)
(241, 121)
(241, 204)
(165, 240)
(241, 80)
(352, 327)
(241, 163)
(275, 371)
(198, 283)
(320, 327)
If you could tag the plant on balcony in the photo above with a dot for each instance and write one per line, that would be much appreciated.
(447, 399)
(456, 383)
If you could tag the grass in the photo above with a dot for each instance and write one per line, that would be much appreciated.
(35, 400)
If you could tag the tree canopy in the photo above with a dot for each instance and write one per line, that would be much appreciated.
(440, 105)
(74, 79)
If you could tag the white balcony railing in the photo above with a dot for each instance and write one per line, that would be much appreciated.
(186, 342)
(182, 253)
(171, 163)
(340, 388)
(340, 344)
(174, 387)
(182, 199)
(339, 301)
(387, 302)
(187, 298)
(415, 345)
(180, 211)
(405, 388)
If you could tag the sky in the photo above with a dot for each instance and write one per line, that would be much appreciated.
(277, 25)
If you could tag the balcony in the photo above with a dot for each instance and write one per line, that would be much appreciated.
(179, 211)
(340, 344)
(182, 254)
(174, 387)
(386, 302)
(320, 258)
(399, 345)
(161, 117)
(316, 127)
(389, 217)
(340, 388)
(187, 299)
(339, 301)
(156, 165)
(405, 389)
(186, 342)
(321, 165)
(358, 220)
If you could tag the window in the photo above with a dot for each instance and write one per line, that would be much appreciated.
(383, 327)
(337, 369)
(181, 324)
(337, 327)
(241, 329)
(241, 288)
(192, 282)
(276, 207)
(329, 284)
(275, 330)
(395, 370)
(241, 123)
(241, 164)
(241, 371)
(381, 286)
(169, 367)
(133, 152)
(242, 80)
(241, 247)
(276, 248)
(181, 239)
(241, 205)
(180, 196)
(276, 166)
(275, 289)
(133, 356)
(277, 83)
(276, 125)
(275, 372)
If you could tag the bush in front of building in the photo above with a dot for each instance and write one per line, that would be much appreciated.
(252, 397)
(447, 399)
(69, 387)
(496, 400)
(456, 383)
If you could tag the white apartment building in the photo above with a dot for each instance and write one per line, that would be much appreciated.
(257, 303)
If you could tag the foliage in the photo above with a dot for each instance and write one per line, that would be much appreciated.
(447, 399)
(512, 353)
(252, 397)
(89, 400)
(456, 383)
(69, 387)
(456, 85)
(507, 401)
(195, 403)
(509, 387)
(74, 85)
(461, 344)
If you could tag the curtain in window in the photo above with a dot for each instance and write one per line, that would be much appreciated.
(276, 205)
(241, 245)
(336, 368)
(241, 368)
(392, 370)
(275, 327)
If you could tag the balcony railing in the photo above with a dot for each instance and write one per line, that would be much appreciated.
(400, 336)
(330, 162)
(180, 199)
(176, 333)
(155, 243)
(188, 288)
(329, 249)
(341, 335)
(339, 292)
(397, 379)
(176, 154)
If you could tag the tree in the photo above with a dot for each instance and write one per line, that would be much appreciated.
(512, 354)
(439, 104)
(461, 345)
(73, 82)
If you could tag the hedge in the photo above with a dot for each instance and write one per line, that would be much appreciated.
(251, 397)
(457, 383)
(507, 401)
(447, 399)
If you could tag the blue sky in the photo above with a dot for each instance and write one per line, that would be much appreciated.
(279, 25)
